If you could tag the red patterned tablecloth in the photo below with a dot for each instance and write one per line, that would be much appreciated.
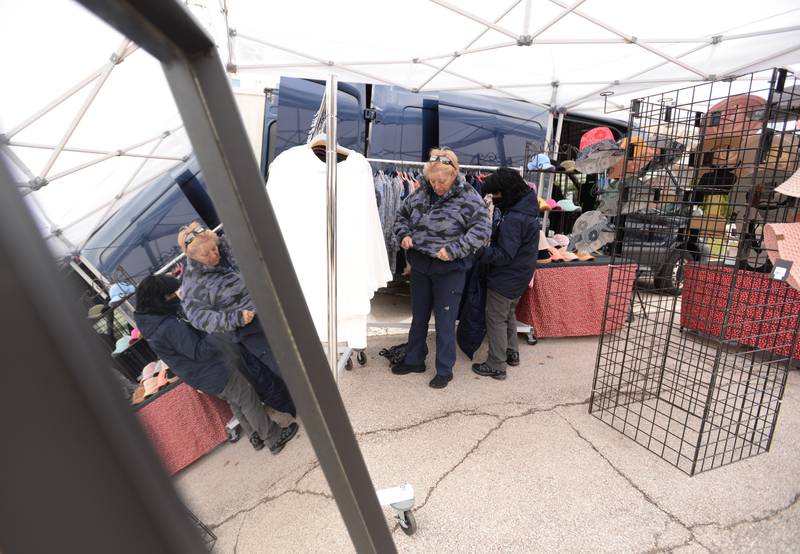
(763, 312)
(184, 424)
(568, 300)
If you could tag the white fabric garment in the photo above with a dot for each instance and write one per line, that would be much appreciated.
(297, 189)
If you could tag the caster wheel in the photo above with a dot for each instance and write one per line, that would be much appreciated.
(411, 524)
(234, 435)
(531, 339)
(349, 364)
(362, 358)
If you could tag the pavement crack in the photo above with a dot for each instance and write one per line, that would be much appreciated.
(437, 417)
(768, 516)
(238, 533)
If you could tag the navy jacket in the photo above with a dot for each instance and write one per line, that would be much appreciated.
(511, 258)
(195, 357)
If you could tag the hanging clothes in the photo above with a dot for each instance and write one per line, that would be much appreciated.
(297, 190)
(389, 194)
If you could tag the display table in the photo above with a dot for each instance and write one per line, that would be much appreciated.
(568, 298)
(184, 424)
(763, 312)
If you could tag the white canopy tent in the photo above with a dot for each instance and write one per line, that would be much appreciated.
(86, 118)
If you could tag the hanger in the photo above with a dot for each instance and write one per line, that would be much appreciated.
(321, 141)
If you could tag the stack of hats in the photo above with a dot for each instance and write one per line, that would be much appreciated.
(598, 151)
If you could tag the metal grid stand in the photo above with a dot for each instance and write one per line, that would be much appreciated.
(699, 380)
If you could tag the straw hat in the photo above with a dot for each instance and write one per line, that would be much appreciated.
(790, 187)
(568, 166)
(782, 240)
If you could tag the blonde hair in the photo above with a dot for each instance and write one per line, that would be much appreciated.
(199, 238)
(435, 168)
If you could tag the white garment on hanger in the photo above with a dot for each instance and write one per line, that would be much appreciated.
(297, 189)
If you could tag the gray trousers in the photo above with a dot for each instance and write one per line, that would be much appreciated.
(247, 408)
(501, 328)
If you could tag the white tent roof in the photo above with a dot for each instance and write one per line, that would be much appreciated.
(518, 49)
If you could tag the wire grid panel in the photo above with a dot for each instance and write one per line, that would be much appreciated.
(694, 367)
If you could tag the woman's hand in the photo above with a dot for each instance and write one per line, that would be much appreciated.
(442, 255)
(407, 243)
(247, 316)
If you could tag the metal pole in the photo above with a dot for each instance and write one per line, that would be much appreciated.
(331, 91)
(543, 194)
(485, 22)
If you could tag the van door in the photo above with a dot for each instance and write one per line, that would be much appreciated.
(406, 126)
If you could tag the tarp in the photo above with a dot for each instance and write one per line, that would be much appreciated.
(518, 49)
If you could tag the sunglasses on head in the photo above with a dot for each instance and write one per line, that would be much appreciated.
(193, 235)
(441, 159)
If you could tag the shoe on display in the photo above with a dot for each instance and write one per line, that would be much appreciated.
(287, 434)
(440, 381)
(485, 371)
(512, 357)
(256, 441)
(404, 369)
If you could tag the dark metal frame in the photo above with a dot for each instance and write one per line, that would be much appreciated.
(200, 85)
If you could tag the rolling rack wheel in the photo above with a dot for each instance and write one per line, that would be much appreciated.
(361, 356)
(530, 337)
(407, 522)
(234, 433)
(348, 365)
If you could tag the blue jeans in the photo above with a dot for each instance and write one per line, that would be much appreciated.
(440, 294)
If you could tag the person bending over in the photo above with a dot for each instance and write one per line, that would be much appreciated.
(510, 261)
(201, 360)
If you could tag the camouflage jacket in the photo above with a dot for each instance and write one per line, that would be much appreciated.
(457, 221)
(214, 297)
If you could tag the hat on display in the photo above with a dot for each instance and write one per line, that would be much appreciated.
(122, 344)
(741, 114)
(150, 386)
(543, 205)
(97, 311)
(791, 186)
(568, 206)
(138, 394)
(540, 162)
(598, 151)
(553, 204)
(561, 240)
(119, 292)
(136, 334)
(150, 370)
(640, 155)
(568, 166)
(782, 240)
(591, 232)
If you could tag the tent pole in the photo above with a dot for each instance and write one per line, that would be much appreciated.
(526, 21)
(759, 61)
(473, 17)
(545, 194)
(112, 63)
(19, 144)
(553, 21)
(331, 92)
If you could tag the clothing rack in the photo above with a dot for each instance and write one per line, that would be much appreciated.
(420, 164)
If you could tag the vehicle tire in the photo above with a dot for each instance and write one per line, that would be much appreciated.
(669, 279)
(412, 523)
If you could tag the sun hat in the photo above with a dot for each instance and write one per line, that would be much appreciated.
(122, 344)
(96, 311)
(591, 232)
(741, 114)
(638, 159)
(782, 240)
(119, 292)
(540, 162)
(598, 151)
(791, 186)
(149, 370)
(568, 206)
(561, 240)
(138, 394)
(150, 386)
(543, 205)
(568, 166)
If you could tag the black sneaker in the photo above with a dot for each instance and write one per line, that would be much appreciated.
(440, 381)
(256, 441)
(287, 433)
(404, 369)
(485, 371)
(512, 357)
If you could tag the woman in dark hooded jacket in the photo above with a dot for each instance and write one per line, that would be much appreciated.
(203, 361)
(510, 261)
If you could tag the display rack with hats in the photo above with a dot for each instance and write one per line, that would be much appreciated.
(709, 211)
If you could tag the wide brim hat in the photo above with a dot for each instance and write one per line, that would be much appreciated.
(97, 311)
(150, 370)
(568, 205)
(122, 344)
(568, 166)
(640, 159)
(150, 386)
(782, 241)
(591, 232)
(791, 186)
(741, 114)
(594, 136)
(598, 157)
(561, 240)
